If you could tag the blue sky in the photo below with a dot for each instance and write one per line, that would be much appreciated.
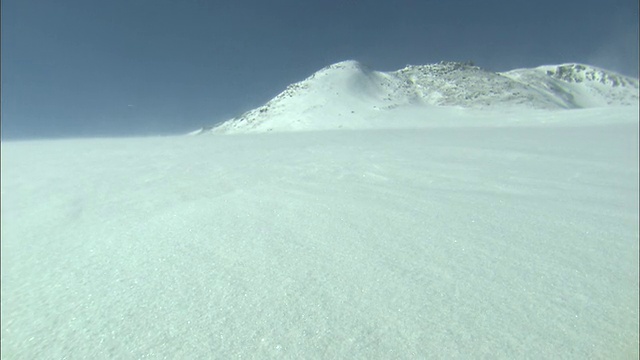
(142, 67)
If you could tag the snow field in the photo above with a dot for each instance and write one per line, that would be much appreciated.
(518, 241)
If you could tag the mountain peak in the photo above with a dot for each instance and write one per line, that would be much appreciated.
(342, 66)
(346, 64)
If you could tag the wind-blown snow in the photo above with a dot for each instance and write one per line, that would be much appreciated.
(505, 235)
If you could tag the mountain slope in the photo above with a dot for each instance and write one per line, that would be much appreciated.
(580, 86)
(350, 95)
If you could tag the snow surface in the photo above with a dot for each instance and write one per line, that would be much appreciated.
(508, 235)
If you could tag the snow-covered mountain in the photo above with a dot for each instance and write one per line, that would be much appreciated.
(349, 94)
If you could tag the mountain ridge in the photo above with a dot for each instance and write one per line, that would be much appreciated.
(352, 94)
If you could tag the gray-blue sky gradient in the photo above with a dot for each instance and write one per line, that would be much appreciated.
(141, 67)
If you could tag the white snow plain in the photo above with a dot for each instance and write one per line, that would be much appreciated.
(495, 239)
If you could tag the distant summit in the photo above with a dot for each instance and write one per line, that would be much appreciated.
(349, 93)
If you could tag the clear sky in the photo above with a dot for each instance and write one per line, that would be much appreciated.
(143, 67)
